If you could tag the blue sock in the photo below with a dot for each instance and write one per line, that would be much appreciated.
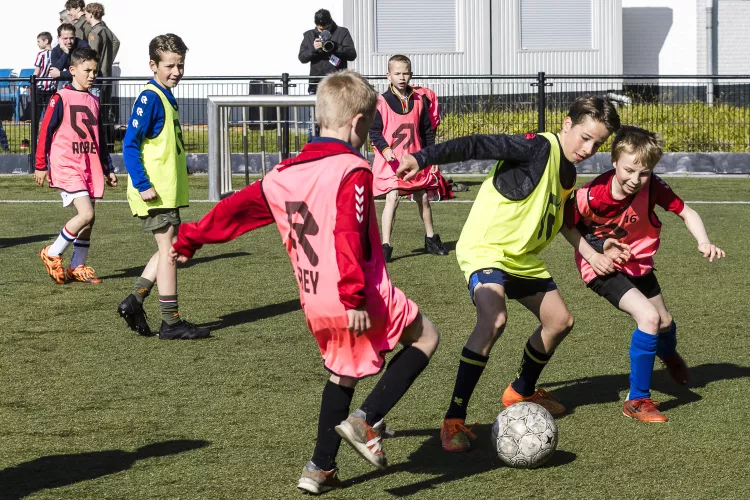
(667, 345)
(642, 354)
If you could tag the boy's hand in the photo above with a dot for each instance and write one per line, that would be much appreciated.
(408, 168)
(40, 176)
(711, 251)
(149, 194)
(617, 251)
(359, 321)
(112, 179)
(318, 44)
(176, 257)
(54, 72)
(602, 264)
(388, 155)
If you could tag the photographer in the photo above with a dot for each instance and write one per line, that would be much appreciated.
(327, 47)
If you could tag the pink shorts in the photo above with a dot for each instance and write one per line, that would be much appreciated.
(347, 355)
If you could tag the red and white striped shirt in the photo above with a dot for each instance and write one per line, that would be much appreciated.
(44, 62)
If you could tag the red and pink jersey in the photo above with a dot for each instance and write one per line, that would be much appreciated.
(434, 108)
(322, 204)
(69, 143)
(401, 131)
(631, 220)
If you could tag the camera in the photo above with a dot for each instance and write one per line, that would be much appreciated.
(325, 37)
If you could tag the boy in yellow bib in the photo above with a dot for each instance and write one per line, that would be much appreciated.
(517, 212)
(154, 156)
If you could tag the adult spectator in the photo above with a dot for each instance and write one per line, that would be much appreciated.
(66, 34)
(327, 47)
(101, 38)
(77, 18)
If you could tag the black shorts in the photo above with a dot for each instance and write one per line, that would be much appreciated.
(613, 286)
(516, 287)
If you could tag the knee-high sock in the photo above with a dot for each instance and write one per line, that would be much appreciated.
(470, 369)
(334, 407)
(642, 355)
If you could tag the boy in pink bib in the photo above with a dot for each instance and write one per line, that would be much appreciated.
(323, 205)
(72, 156)
(620, 204)
(403, 124)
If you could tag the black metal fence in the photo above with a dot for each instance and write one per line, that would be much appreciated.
(693, 113)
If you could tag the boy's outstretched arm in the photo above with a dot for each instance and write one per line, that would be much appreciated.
(233, 216)
(696, 227)
(472, 147)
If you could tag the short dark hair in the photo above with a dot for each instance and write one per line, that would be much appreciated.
(65, 27)
(166, 43)
(323, 18)
(75, 4)
(46, 35)
(598, 109)
(83, 54)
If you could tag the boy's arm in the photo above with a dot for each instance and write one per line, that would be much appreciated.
(477, 147)
(146, 121)
(233, 216)
(426, 133)
(351, 236)
(53, 117)
(94, 41)
(115, 44)
(696, 227)
(602, 263)
(345, 50)
(376, 133)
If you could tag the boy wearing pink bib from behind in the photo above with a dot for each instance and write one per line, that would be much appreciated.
(403, 124)
(620, 204)
(322, 203)
(73, 158)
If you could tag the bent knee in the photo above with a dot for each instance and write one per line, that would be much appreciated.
(561, 326)
(493, 323)
(649, 321)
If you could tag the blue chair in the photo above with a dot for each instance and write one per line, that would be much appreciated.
(6, 91)
(25, 73)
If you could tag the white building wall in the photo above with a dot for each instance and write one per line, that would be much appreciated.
(225, 37)
(733, 37)
(661, 37)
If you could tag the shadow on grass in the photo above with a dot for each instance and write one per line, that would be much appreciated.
(134, 272)
(449, 245)
(55, 471)
(607, 388)
(23, 240)
(250, 315)
(430, 458)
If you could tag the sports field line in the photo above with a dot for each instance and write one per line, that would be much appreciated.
(376, 201)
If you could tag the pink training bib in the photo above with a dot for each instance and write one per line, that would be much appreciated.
(74, 153)
(402, 134)
(633, 225)
(302, 198)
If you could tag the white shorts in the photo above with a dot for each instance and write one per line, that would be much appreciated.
(67, 198)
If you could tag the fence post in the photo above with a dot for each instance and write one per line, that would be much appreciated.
(285, 118)
(541, 101)
(34, 124)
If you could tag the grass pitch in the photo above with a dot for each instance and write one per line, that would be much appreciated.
(91, 410)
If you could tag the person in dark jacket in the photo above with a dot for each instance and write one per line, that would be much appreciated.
(60, 55)
(327, 47)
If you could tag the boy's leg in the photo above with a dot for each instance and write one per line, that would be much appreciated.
(362, 430)
(389, 216)
(489, 299)
(131, 309)
(78, 270)
(319, 474)
(172, 327)
(556, 322)
(642, 352)
(666, 346)
(51, 255)
(432, 243)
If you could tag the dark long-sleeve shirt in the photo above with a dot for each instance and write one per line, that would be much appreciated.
(320, 61)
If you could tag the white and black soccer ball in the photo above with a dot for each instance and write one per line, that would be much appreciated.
(524, 435)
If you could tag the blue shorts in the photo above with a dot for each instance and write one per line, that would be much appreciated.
(516, 287)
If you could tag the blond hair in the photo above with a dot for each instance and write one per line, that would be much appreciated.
(647, 147)
(341, 96)
(400, 59)
(96, 10)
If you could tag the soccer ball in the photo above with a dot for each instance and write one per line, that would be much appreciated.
(524, 435)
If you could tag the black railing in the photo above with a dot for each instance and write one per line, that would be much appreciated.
(694, 113)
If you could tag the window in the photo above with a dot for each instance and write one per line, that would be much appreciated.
(556, 25)
(416, 26)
